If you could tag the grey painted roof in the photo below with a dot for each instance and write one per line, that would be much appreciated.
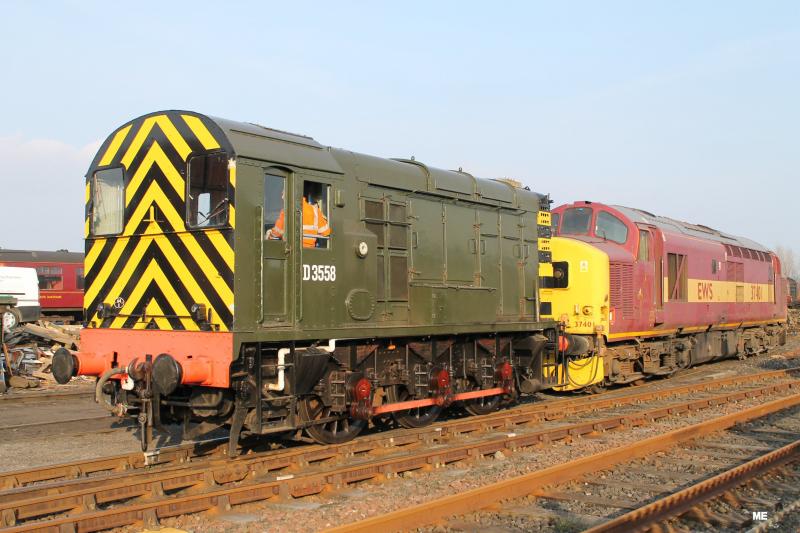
(692, 230)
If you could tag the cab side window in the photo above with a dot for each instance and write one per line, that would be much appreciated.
(644, 245)
(316, 215)
(207, 201)
(274, 207)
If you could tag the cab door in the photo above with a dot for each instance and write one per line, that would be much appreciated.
(277, 230)
(650, 255)
(317, 293)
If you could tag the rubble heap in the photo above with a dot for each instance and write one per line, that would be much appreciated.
(27, 353)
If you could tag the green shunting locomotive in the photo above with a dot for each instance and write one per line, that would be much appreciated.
(243, 277)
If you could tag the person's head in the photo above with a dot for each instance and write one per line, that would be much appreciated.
(308, 191)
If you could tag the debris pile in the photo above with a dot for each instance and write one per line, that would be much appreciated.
(27, 353)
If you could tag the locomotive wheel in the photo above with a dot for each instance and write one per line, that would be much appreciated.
(483, 405)
(412, 418)
(336, 431)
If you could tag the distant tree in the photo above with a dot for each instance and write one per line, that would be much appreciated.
(789, 261)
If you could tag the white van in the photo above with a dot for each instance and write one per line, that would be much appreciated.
(19, 290)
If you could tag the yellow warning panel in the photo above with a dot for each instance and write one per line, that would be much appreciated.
(543, 219)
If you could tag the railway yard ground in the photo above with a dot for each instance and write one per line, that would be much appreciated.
(567, 440)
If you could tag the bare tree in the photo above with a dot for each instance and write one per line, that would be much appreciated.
(789, 262)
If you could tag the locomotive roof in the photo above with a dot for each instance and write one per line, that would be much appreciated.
(248, 140)
(260, 142)
(268, 144)
(692, 230)
(60, 256)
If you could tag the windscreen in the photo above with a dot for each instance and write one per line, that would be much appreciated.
(576, 221)
(108, 193)
(611, 228)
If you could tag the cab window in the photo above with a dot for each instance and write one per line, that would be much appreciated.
(108, 208)
(611, 228)
(555, 217)
(316, 211)
(274, 207)
(576, 221)
(644, 245)
(207, 201)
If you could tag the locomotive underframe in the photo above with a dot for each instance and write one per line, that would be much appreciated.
(279, 389)
(635, 359)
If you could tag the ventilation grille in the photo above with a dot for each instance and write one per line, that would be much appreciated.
(622, 288)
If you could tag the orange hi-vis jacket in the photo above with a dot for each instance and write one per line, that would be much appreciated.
(314, 225)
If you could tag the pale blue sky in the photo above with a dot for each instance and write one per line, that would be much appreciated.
(687, 109)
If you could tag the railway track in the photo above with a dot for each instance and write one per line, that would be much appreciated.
(31, 397)
(730, 500)
(107, 495)
(717, 475)
(39, 414)
(528, 413)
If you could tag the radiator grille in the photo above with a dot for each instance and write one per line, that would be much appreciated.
(622, 288)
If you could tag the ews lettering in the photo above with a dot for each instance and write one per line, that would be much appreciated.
(705, 290)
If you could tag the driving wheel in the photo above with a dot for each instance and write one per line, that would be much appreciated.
(340, 428)
(411, 418)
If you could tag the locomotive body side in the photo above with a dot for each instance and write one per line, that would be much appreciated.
(691, 293)
(212, 298)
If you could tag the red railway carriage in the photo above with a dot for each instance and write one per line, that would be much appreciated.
(60, 278)
(658, 294)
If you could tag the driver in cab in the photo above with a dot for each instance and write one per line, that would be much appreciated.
(315, 223)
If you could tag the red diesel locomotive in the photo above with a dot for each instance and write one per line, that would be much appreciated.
(60, 279)
(654, 294)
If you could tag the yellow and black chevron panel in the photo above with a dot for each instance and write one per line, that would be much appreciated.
(544, 230)
(157, 270)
